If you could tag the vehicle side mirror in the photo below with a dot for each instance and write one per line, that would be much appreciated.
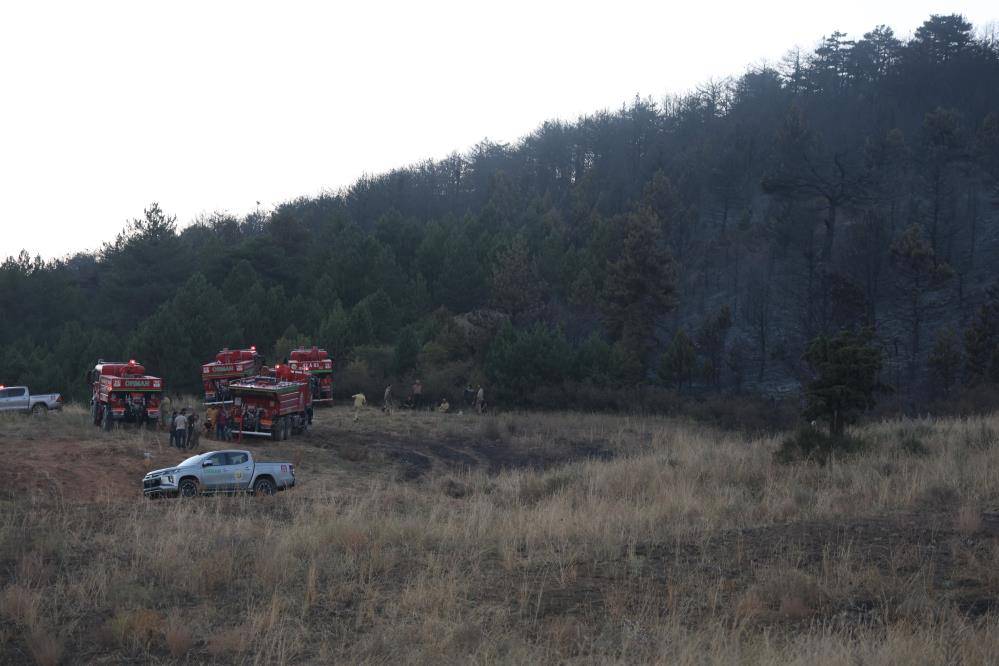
(207, 463)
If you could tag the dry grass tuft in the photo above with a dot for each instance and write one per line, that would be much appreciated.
(137, 629)
(456, 489)
(227, 643)
(968, 520)
(178, 638)
(491, 429)
(354, 453)
(45, 646)
(20, 605)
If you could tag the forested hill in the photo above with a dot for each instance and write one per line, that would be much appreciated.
(696, 243)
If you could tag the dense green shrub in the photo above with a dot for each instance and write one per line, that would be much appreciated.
(809, 444)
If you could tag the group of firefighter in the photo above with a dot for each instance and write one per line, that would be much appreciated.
(474, 399)
(184, 433)
(184, 429)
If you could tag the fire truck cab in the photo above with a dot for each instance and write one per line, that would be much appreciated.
(123, 392)
(229, 364)
(319, 365)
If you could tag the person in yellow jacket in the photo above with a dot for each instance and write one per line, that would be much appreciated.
(444, 407)
(211, 418)
(359, 402)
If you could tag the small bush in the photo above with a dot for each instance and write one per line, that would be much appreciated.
(491, 429)
(913, 446)
(456, 489)
(536, 488)
(968, 520)
(137, 628)
(937, 496)
(45, 647)
(179, 639)
(980, 438)
(226, 643)
(781, 595)
(812, 445)
(354, 453)
(19, 604)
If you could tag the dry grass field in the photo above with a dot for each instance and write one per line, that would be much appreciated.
(518, 538)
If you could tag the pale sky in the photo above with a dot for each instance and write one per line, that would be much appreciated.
(212, 106)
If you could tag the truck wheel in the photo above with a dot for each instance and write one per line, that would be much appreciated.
(39, 410)
(95, 413)
(263, 487)
(188, 488)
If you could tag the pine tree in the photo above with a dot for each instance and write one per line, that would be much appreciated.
(846, 370)
(407, 349)
(918, 272)
(945, 362)
(640, 286)
(981, 342)
(678, 362)
(711, 339)
(516, 284)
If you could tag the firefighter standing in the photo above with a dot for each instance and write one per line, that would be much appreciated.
(480, 399)
(173, 429)
(211, 418)
(387, 399)
(181, 426)
(165, 405)
(417, 394)
(220, 425)
(192, 430)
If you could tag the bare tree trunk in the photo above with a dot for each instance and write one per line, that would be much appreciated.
(836, 424)
(830, 237)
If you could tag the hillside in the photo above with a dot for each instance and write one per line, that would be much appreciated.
(527, 538)
(695, 243)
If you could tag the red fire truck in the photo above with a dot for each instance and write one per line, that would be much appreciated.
(316, 362)
(229, 364)
(123, 392)
(274, 406)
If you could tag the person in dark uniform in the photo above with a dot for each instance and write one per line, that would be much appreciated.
(173, 429)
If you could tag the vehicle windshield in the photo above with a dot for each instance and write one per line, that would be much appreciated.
(192, 460)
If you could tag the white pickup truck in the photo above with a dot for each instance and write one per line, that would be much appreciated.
(219, 472)
(19, 399)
